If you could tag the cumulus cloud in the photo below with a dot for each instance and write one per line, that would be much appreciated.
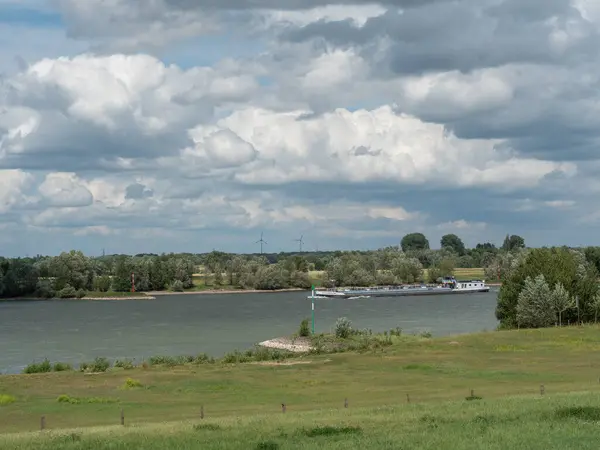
(13, 184)
(65, 190)
(354, 121)
(99, 112)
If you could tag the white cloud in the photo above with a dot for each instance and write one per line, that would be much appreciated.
(386, 122)
(461, 225)
(13, 183)
(65, 190)
(377, 145)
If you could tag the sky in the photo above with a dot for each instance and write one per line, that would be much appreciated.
(131, 126)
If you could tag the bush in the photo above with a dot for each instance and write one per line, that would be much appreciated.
(98, 365)
(126, 364)
(43, 367)
(67, 399)
(169, 361)
(130, 383)
(177, 286)
(80, 293)
(76, 400)
(61, 367)
(67, 292)
(203, 358)
(343, 328)
(102, 283)
(44, 289)
(6, 399)
(304, 330)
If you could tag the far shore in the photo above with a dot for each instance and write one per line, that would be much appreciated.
(153, 294)
(226, 291)
(139, 297)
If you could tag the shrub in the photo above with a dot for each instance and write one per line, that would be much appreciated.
(43, 367)
(304, 329)
(67, 292)
(396, 332)
(126, 364)
(327, 430)
(67, 399)
(98, 365)
(343, 328)
(6, 399)
(80, 293)
(203, 358)
(267, 445)
(44, 289)
(169, 361)
(177, 286)
(102, 283)
(61, 367)
(76, 400)
(130, 383)
(235, 357)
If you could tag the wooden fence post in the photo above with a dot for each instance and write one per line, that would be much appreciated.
(542, 389)
(472, 393)
(407, 398)
(122, 417)
(283, 407)
(202, 411)
(43, 423)
(345, 402)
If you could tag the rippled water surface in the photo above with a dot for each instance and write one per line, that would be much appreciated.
(75, 330)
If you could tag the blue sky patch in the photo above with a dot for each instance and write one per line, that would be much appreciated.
(18, 15)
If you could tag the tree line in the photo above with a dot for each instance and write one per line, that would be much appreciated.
(73, 274)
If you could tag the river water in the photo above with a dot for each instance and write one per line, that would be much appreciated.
(76, 330)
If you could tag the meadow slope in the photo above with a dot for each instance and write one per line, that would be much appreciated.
(493, 365)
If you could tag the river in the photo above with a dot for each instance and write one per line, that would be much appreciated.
(77, 330)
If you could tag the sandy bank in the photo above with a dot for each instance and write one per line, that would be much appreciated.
(226, 291)
(139, 297)
(298, 345)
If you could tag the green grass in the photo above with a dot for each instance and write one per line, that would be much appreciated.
(534, 423)
(494, 365)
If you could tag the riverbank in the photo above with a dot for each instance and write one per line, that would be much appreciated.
(493, 365)
(295, 345)
(225, 291)
(136, 297)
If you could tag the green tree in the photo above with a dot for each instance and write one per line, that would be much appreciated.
(557, 265)
(121, 280)
(414, 241)
(561, 301)
(454, 243)
(513, 242)
(73, 269)
(534, 308)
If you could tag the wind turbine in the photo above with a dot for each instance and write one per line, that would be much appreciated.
(300, 241)
(262, 241)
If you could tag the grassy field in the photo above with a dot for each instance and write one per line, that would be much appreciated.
(534, 423)
(245, 399)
